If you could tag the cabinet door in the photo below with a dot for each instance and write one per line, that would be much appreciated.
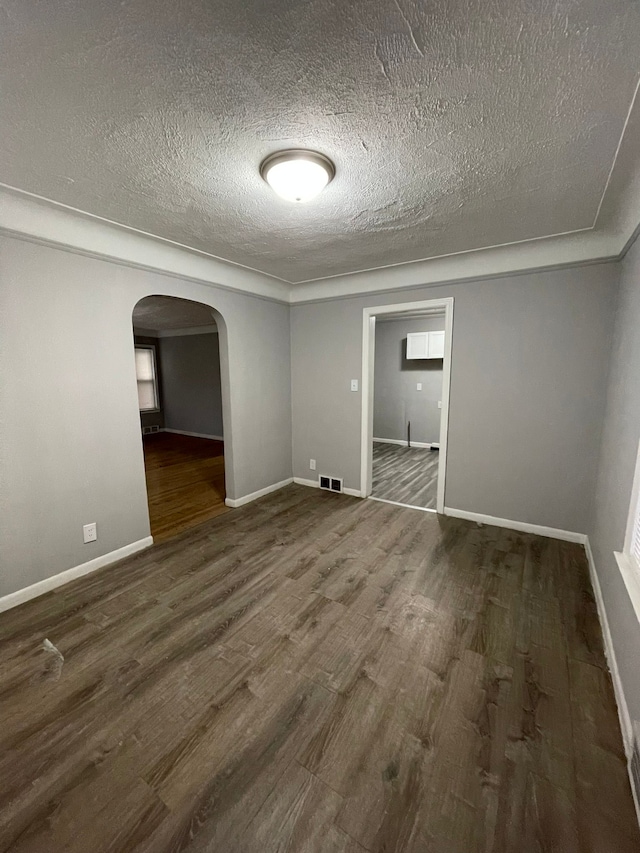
(418, 345)
(436, 345)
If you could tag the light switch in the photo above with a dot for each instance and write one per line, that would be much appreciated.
(439, 404)
(354, 384)
(419, 386)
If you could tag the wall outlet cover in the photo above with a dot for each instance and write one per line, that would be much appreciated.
(89, 532)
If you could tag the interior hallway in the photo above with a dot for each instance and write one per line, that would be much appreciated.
(185, 482)
(408, 475)
(318, 673)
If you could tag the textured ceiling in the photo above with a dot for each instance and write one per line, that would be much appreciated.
(454, 124)
(161, 313)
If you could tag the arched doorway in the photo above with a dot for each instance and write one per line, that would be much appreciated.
(180, 399)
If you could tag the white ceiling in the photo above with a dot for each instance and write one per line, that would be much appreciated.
(454, 124)
(161, 313)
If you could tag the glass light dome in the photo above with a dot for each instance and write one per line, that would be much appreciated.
(297, 175)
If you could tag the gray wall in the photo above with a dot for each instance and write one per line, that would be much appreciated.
(529, 369)
(71, 448)
(152, 418)
(620, 436)
(191, 386)
(396, 399)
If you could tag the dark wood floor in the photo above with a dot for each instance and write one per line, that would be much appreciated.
(408, 475)
(316, 673)
(185, 482)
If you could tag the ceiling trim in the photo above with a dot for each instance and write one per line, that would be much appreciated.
(553, 253)
(28, 217)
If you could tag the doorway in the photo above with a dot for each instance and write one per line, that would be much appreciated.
(178, 374)
(405, 402)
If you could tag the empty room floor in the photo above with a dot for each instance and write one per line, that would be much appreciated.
(408, 475)
(317, 673)
(185, 482)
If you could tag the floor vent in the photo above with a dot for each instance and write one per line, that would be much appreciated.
(331, 484)
(149, 429)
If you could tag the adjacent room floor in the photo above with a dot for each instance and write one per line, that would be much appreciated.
(185, 482)
(408, 475)
(316, 673)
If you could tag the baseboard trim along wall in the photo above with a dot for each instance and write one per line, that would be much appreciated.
(623, 711)
(626, 725)
(314, 484)
(402, 443)
(246, 499)
(46, 585)
(192, 434)
(522, 526)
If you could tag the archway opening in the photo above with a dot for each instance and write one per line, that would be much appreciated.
(180, 400)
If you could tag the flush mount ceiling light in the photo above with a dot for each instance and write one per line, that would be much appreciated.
(297, 175)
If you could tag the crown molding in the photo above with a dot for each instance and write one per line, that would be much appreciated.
(530, 256)
(28, 217)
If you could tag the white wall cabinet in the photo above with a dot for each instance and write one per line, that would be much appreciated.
(425, 345)
(435, 344)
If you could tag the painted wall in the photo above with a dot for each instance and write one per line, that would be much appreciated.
(529, 370)
(191, 384)
(71, 447)
(396, 399)
(620, 437)
(152, 418)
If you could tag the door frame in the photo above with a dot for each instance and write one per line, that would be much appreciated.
(368, 364)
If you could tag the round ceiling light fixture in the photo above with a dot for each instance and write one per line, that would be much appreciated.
(297, 174)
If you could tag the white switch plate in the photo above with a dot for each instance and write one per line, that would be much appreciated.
(354, 384)
(439, 404)
(312, 464)
(89, 532)
(419, 386)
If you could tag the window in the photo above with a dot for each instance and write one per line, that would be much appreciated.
(147, 379)
(629, 558)
(632, 538)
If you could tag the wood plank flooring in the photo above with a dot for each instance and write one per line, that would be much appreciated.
(315, 673)
(185, 482)
(408, 475)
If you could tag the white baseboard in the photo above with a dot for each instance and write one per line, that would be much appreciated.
(402, 443)
(314, 484)
(522, 526)
(626, 725)
(46, 585)
(623, 710)
(236, 502)
(193, 434)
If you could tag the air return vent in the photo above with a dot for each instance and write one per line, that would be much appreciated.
(331, 484)
(149, 429)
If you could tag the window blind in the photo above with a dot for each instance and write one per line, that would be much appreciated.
(146, 376)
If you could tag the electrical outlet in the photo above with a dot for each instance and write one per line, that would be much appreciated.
(419, 386)
(312, 464)
(90, 532)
